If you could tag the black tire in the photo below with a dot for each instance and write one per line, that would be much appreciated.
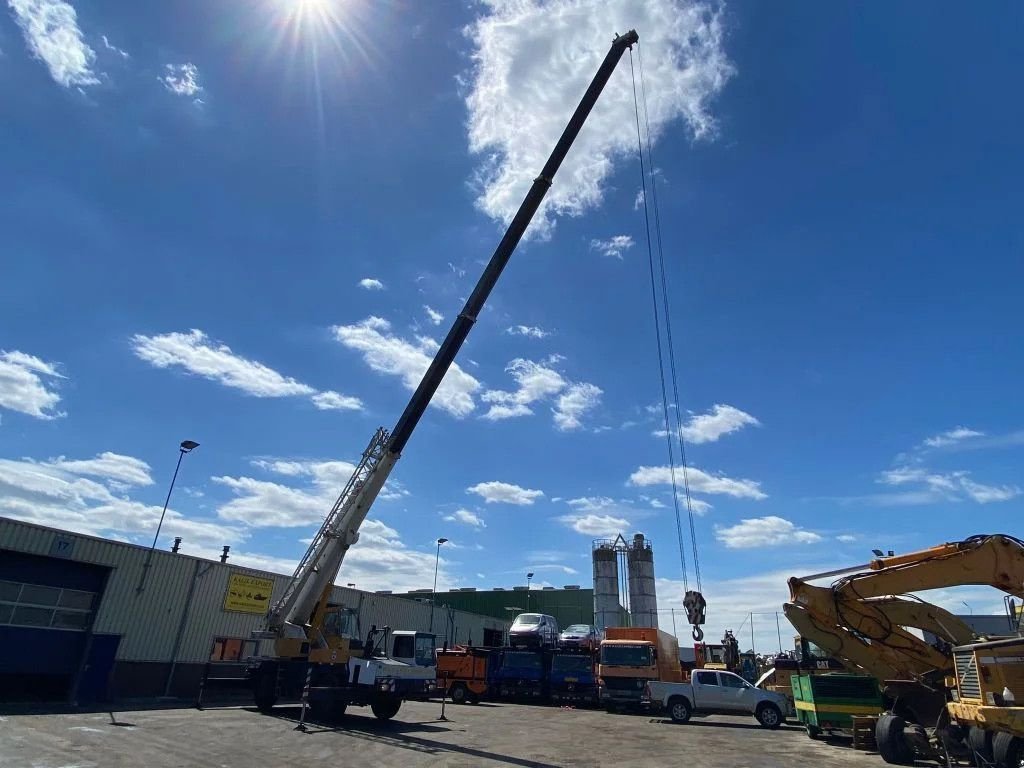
(813, 731)
(458, 693)
(265, 693)
(474, 698)
(769, 715)
(385, 709)
(679, 709)
(892, 745)
(1008, 750)
(979, 742)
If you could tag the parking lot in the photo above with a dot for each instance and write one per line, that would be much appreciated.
(483, 735)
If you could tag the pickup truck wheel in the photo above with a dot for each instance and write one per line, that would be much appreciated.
(1008, 750)
(679, 709)
(458, 693)
(768, 715)
(892, 744)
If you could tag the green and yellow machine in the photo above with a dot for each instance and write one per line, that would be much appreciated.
(829, 702)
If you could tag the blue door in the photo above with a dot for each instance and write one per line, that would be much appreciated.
(95, 681)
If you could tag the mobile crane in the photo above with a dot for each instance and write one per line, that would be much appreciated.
(858, 618)
(314, 648)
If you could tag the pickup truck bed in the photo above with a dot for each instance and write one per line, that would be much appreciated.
(719, 693)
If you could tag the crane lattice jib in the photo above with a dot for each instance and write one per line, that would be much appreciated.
(331, 528)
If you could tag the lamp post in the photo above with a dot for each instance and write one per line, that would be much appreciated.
(187, 446)
(433, 592)
(529, 577)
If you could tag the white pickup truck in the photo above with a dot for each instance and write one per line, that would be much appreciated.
(717, 692)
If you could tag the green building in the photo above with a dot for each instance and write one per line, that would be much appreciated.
(569, 605)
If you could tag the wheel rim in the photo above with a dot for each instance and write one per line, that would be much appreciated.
(769, 717)
(458, 694)
(678, 712)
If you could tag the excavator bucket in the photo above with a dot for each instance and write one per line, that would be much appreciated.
(696, 612)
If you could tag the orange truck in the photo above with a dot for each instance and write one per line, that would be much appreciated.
(462, 673)
(629, 658)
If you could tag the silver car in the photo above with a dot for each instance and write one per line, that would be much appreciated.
(534, 630)
(582, 636)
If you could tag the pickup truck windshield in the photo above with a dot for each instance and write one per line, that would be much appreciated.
(570, 664)
(523, 660)
(626, 655)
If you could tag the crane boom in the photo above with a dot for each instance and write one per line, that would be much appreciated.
(319, 566)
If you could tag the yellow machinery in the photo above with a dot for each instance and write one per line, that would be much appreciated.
(859, 619)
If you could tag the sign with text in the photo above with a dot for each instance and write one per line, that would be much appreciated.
(248, 594)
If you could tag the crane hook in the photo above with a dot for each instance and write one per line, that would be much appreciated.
(698, 634)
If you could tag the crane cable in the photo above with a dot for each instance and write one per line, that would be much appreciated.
(696, 610)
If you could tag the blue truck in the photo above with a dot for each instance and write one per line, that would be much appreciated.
(571, 678)
(519, 673)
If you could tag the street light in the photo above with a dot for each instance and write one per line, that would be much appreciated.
(187, 446)
(529, 576)
(433, 592)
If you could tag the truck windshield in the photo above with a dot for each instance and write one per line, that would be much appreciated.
(424, 650)
(571, 664)
(523, 660)
(626, 655)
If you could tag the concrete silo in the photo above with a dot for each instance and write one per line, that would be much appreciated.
(606, 585)
(643, 602)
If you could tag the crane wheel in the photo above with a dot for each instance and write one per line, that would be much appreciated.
(385, 709)
(892, 744)
(1008, 750)
(979, 742)
(265, 693)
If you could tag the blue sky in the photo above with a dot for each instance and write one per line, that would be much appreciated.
(248, 224)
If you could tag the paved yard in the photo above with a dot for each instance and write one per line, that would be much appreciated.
(474, 736)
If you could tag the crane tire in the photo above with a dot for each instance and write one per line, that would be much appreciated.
(979, 741)
(385, 709)
(1008, 750)
(892, 745)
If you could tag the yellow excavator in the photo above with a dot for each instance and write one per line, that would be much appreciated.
(863, 617)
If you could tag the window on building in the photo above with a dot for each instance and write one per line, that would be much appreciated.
(36, 605)
(232, 649)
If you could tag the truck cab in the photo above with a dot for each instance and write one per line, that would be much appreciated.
(624, 668)
(520, 673)
(572, 677)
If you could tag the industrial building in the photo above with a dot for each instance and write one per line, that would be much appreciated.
(87, 619)
(571, 604)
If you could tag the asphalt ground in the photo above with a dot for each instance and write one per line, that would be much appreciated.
(474, 736)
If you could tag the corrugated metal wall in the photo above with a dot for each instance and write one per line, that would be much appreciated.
(149, 621)
(568, 606)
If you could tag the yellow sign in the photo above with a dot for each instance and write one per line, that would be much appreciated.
(248, 594)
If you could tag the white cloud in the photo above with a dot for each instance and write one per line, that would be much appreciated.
(638, 201)
(433, 315)
(951, 437)
(700, 482)
(334, 401)
(23, 388)
(496, 491)
(56, 493)
(536, 382)
(51, 31)
(386, 353)
(614, 246)
(939, 486)
(532, 62)
(110, 47)
(371, 284)
(719, 421)
(574, 403)
(595, 525)
(467, 517)
(530, 331)
(847, 538)
(592, 503)
(182, 79)
(197, 353)
(763, 532)
(112, 466)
